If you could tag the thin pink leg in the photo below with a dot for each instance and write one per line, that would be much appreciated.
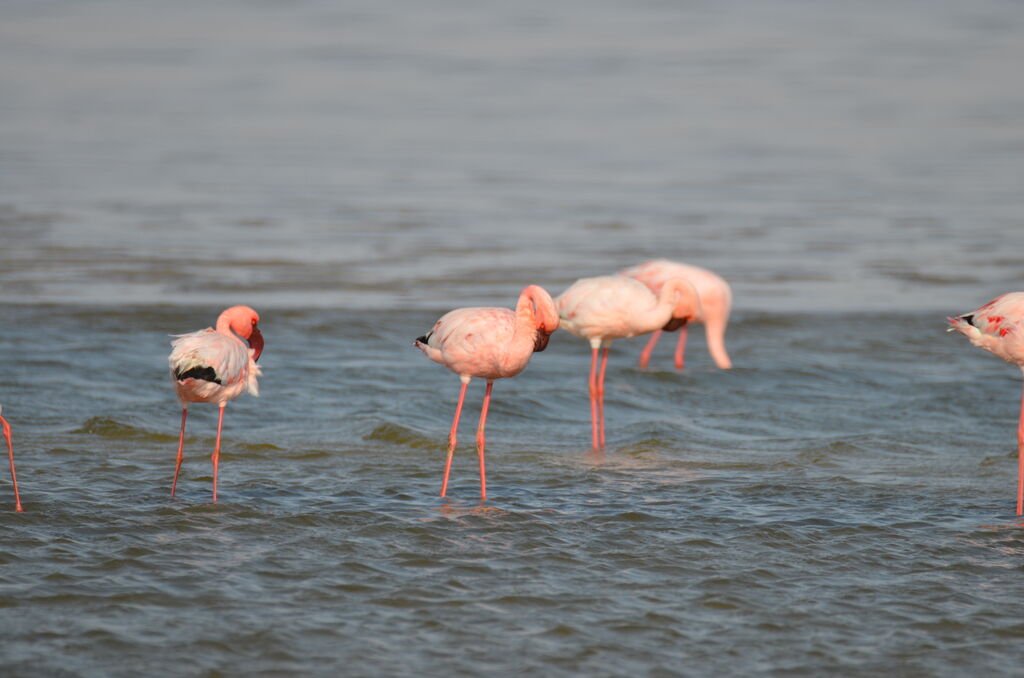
(216, 451)
(481, 441)
(645, 355)
(1020, 459)
(592, 383)
(181, 447)
(681, 348)
(600, 395)
(10, 455)
(452, 438)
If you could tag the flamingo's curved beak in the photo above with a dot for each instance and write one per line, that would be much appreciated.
(256, 342)
(541, 341)
(674, 324)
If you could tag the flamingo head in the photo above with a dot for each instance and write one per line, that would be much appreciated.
(687, 305)
(244, 322)
(542, 312)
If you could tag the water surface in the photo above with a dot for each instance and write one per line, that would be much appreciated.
(840, 503)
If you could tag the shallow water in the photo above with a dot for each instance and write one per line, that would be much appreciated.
(840, 503)
(826, 506)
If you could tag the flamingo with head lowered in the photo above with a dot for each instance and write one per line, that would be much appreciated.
(216, 365)
(10, 455)
(490, 343)
(998, 327)
(715, 304)
(610, 307)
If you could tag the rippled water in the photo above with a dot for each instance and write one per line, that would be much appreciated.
(840, 503)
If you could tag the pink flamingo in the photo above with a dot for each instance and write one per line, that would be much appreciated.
(998, 327)
(215, 366)
(715, 303)
(489, 343)
(10, 454)
(611, 307)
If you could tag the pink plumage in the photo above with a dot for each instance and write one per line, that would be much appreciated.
(715, 305)
(605, 308)
(216, 365)
(10, 455)
(998, 327)
(490, 343)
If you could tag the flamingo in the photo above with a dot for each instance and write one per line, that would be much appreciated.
(215, 366)
(998, 327)
(489, 343)
(715, 302)
(10, 455)
(610, 307)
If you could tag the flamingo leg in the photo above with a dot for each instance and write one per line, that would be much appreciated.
(645, 355)
(181, 447)
(10, 455)
(452, 436)
(1020, 459)
(481, 441)
(216, 451)
(600, 396)
(681, 348)
(593, 398)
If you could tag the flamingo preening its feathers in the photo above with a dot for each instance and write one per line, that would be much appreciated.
(490, 343)
(216, 365)
(609, 307)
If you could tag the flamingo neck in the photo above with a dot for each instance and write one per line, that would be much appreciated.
(224, 327)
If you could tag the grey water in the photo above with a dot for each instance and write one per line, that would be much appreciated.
(840, 503)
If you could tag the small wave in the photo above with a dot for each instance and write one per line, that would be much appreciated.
(111, 428)
(393, 433)
(259, 447)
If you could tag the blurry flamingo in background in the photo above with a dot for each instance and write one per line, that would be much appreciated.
(489, 343)
(610, 307)
(715, 303)
(10, 454)
(214, 366)
(998, 327)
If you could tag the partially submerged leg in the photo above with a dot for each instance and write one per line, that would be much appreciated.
(453, 434)
(645, 355)
(216, 451)
(181, 446)
(592, 387)
(1020, 459)
(10, 455)
(481, 441)
(681, 348)
(600, 397)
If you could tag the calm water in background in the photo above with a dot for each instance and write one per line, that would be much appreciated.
(840, 503)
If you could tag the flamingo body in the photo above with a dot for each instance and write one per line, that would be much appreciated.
(715, 304)
(490, 343)
(998, 327)
(216, 365)
(479, 342)
(605, 308)
(610, 307)
(211, 367)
